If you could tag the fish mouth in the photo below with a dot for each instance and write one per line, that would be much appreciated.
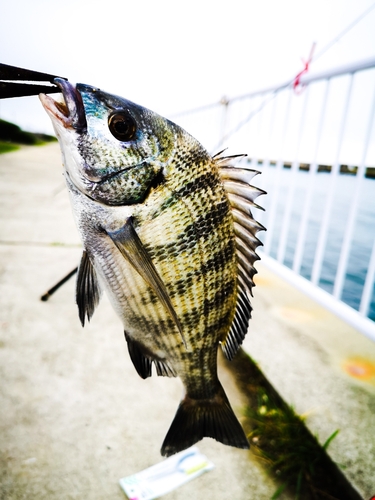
(70, 112)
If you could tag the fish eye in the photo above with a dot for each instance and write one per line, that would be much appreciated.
(122, 126)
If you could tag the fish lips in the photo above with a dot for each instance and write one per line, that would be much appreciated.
(71, 113)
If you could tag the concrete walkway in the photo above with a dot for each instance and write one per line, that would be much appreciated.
(74, 415)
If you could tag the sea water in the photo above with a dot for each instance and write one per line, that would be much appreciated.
(279, 184)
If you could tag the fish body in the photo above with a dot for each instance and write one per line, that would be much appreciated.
(168, 233)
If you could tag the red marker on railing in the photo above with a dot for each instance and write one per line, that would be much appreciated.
(297, 86)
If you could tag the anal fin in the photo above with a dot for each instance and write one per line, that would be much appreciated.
(164, 369)
(142, 360)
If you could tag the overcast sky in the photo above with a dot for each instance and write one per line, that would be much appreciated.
(173, 55)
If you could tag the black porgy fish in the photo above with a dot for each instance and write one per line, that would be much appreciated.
(168, 233)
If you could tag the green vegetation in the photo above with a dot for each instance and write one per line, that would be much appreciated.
(6, 147)
(11, 136)
(283, 443)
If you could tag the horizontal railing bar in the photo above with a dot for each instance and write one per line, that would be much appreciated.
(308, 78)
(304, 80)
(339, 71)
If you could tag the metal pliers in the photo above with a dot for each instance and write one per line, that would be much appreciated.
(19, 82)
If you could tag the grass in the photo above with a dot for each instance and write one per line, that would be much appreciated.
(11, 136)
(282, 442)
(6, 147)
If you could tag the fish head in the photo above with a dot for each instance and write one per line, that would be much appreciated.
(113, 149)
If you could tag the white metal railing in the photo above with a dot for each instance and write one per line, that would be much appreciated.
(323, 124)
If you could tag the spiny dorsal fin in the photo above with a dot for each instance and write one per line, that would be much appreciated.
(241, 195)
(87, 289)
(143, 362)
(244, 175)
(247, 221)
(224, 159)
(131, 247)
(249, 193)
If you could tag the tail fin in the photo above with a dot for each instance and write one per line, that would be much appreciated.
(196, 419)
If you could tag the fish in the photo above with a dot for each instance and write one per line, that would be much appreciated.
(168, 233)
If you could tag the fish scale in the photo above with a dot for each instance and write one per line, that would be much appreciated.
(168, 233)
(203, 205)
(184, 293)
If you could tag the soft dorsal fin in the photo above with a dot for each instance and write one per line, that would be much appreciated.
(241, 195)
(131, 247)
(239, 325)
(87, 289)
(142, 361)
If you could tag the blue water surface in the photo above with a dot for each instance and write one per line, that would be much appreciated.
(279, 184)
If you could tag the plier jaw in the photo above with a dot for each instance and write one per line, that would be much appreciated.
(19, 82)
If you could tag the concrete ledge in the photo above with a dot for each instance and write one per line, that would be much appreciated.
(321, 366)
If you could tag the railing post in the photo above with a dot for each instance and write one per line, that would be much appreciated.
(275, 194)
(290, 196)
(322, 241)
(369, 282)
(297, 262)
(345, 248)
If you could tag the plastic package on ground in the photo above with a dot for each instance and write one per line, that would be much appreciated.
(166, 476)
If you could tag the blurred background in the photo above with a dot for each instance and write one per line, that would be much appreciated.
(315, 148)
(171, 56)
(177, 58)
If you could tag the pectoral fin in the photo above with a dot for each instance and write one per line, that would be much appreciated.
(131, 247)
(87, 289)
